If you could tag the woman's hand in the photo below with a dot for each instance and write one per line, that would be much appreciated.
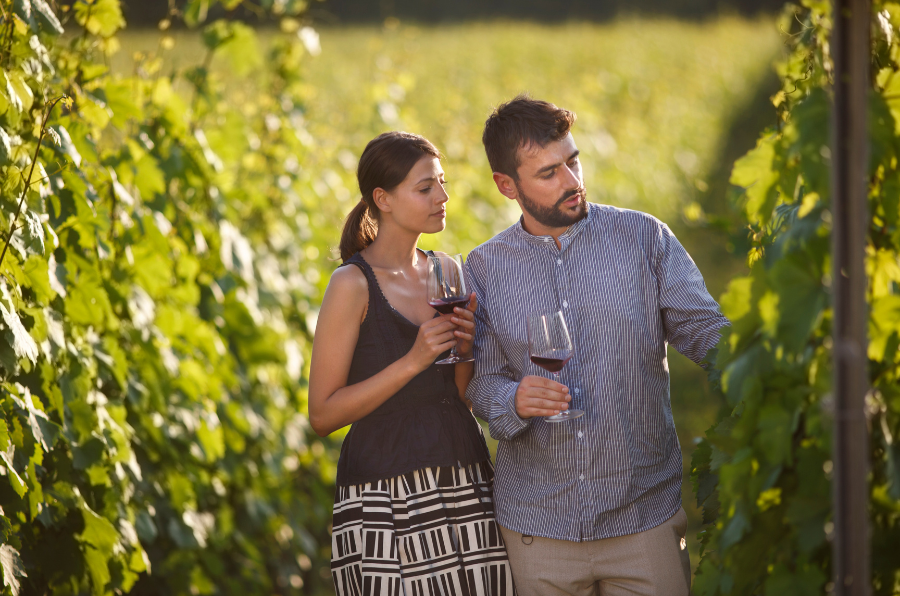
(464, 318)
(435, 337)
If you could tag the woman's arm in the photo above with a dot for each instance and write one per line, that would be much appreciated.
(333, 404)
(465, 333)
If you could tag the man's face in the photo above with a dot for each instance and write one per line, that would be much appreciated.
(550, 187)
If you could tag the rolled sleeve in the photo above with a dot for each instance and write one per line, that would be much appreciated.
(691, 317)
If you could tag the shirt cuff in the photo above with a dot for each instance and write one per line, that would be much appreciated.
(506, 421)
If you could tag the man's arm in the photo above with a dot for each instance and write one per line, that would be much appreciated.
(507, 404)
(691, 316)
(492, 390)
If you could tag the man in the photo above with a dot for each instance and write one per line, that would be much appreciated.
(590, 505)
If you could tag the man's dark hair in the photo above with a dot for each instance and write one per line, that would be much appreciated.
(518, 123)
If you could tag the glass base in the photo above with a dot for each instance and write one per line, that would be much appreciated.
(454, 360)
(563, 416)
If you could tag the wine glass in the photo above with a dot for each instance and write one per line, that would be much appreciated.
(446, 291)
(550, 348)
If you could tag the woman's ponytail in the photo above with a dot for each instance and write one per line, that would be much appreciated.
(359, 232)
(384, 164)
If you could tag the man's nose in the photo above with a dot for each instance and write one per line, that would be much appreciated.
(572, 178)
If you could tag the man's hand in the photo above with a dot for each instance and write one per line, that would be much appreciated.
(537, 396)
(465, 331)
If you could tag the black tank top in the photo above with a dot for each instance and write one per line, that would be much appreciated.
(425, 424)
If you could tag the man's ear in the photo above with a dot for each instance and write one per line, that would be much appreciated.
(506, 185)
(382, 199)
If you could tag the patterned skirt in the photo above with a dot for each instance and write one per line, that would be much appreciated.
(431, 532)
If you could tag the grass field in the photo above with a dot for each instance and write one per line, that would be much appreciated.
(657, 104)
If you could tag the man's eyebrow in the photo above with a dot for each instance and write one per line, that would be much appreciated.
(556, 165)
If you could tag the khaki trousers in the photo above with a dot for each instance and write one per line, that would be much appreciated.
(649, 563)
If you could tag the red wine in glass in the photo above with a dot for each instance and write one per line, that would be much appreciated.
(447, 290)
(445, 306)
(550, 347)
(552, 362)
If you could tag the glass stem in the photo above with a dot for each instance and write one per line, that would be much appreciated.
(556, 378)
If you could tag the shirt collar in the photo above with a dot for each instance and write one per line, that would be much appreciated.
(565, 238)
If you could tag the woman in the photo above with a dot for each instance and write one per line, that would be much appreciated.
(413, 510)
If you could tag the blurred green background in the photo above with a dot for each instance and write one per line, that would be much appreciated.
(664, 107)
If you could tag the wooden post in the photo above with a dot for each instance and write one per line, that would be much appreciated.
(850, 46)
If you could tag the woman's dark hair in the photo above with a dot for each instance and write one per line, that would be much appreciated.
(519, 123)
(384, 164)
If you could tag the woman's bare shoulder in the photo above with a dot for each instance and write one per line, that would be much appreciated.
(348, 284)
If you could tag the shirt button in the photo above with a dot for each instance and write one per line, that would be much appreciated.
(577, 391)
(559, 261)
(581, 477)
(580, 434)
(565, 304)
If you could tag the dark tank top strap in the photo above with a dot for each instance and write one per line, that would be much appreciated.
(379, 324)
(375, 297)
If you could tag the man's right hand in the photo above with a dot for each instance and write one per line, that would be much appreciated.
(537, 396)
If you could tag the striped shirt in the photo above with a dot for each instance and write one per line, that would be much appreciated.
(626, 288)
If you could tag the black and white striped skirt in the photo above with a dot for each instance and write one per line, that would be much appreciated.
(431, 532)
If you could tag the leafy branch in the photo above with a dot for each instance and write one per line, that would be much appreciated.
(12, 226)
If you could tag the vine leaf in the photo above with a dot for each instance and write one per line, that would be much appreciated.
(47, 17)
(54, 136)
(755, 172)
(5, 147)
(884, 323)
(15, 480)
(195, 12)
(39, 278)
(12, 568)
(22, 9)
(43, 429)
(33, 231)
(64, 141)
(100, 17)
(98, 531)
(19, 92)
(22, 343)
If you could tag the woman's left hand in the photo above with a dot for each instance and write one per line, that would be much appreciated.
(464, 318)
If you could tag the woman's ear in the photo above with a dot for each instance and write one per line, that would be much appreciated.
(382, 199)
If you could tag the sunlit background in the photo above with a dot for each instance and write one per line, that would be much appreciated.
(664, 103)
(225, 136)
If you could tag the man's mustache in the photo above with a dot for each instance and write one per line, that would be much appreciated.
(569, 195)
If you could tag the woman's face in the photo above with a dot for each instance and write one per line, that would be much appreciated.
(418, 203)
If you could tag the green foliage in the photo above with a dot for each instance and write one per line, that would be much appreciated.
(653, 98)
(763, 472)
(178, 232)
(153, 437)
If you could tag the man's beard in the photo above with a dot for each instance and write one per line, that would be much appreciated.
(555, 217)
